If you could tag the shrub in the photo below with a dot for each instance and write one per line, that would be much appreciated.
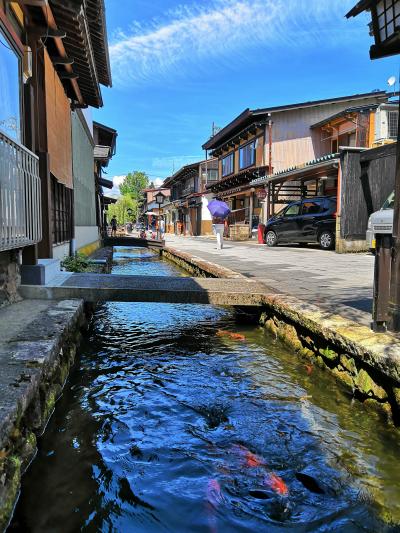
(76, 263)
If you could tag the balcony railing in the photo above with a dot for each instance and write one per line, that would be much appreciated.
(20, 199)
(188, 190)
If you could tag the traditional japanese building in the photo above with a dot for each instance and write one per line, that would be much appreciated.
(262, 143)
(53, 57)
(187, 212)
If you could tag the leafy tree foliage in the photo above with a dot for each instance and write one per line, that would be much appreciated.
(134, 184)
(121, 209)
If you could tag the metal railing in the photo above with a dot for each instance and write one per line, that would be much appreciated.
(20, 198)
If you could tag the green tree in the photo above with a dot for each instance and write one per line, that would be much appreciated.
(120, 209)
(134, 184)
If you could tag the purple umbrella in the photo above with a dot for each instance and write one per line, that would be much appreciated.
(218, 209)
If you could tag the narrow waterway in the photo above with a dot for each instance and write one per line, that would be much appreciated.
(170, 423)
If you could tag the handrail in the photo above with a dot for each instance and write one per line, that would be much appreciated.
(20, 195)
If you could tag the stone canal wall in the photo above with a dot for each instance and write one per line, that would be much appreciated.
(10, 278)
(198, 267)
(367, 364)
(35, 361)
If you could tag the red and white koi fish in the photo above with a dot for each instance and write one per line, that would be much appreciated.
(214, 499)
(214, 493)
(250, 459)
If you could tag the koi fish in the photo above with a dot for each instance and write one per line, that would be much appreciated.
(251, 460)
(277, 484)
(214, 499)
(309, 370)
(214, 493)
(235, 336)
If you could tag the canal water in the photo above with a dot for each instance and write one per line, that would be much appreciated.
(169, 423)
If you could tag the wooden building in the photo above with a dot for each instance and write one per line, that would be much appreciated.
(187, 213)
(262, 143)
(105, 147)
(54, 56)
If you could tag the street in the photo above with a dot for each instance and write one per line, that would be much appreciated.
(341, 283)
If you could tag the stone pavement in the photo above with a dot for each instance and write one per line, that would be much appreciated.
(340, 283)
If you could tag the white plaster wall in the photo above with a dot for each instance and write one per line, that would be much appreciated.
(85, 235)
(205, 213)
(60, 251)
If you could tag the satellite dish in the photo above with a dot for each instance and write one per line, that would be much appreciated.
(391, 81)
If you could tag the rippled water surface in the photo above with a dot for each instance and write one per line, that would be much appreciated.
(169, 424)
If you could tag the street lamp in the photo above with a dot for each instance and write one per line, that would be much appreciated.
(159, 198)
(385, 27)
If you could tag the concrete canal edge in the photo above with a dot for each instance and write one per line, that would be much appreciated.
(367, 364)
(35, 365)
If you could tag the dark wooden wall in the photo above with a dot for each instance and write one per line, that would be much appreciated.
(367, 180)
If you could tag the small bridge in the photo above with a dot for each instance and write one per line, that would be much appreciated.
(133, 241)
(109, 287)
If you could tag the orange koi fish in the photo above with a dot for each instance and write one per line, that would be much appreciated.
(309, 369)
(235, 336)
(277, 484)
(253, 461)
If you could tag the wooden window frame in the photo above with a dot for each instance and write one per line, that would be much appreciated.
(230, 154)
(10, 36)
(242, 147)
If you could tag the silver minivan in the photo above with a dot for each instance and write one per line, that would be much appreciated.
(380, 222)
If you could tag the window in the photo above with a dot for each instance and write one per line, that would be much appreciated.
(227, 165)
(62, 199)
(393, 119)
(247, 155)
(292, 211)
(10, 96)
(212, 175)
(388, 12)
(312, 208)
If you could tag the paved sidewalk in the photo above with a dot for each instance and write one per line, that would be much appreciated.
(339, 283)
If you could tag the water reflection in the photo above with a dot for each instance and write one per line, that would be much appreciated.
(167, 425)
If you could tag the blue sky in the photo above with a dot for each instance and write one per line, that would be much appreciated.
(178, 67)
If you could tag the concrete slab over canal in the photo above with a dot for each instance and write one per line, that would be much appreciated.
(104, 287)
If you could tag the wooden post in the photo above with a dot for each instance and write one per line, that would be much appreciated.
(381, 282)
(394, 301)
(251, 210)
(45, 247)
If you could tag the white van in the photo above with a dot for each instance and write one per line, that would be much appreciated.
(380, 222)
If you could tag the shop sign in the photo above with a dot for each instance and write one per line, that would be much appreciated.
(261, 194)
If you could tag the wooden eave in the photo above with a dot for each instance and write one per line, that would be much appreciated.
(243, 135)
(81, 57)
(236, 180)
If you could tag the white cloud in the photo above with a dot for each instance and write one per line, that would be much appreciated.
(215, 31)
(117, 181)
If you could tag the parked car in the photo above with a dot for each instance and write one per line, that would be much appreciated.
(305, 221)
(380, 222)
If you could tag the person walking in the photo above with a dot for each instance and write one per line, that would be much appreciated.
(114, 226)
(218, 229)
(162, 228)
